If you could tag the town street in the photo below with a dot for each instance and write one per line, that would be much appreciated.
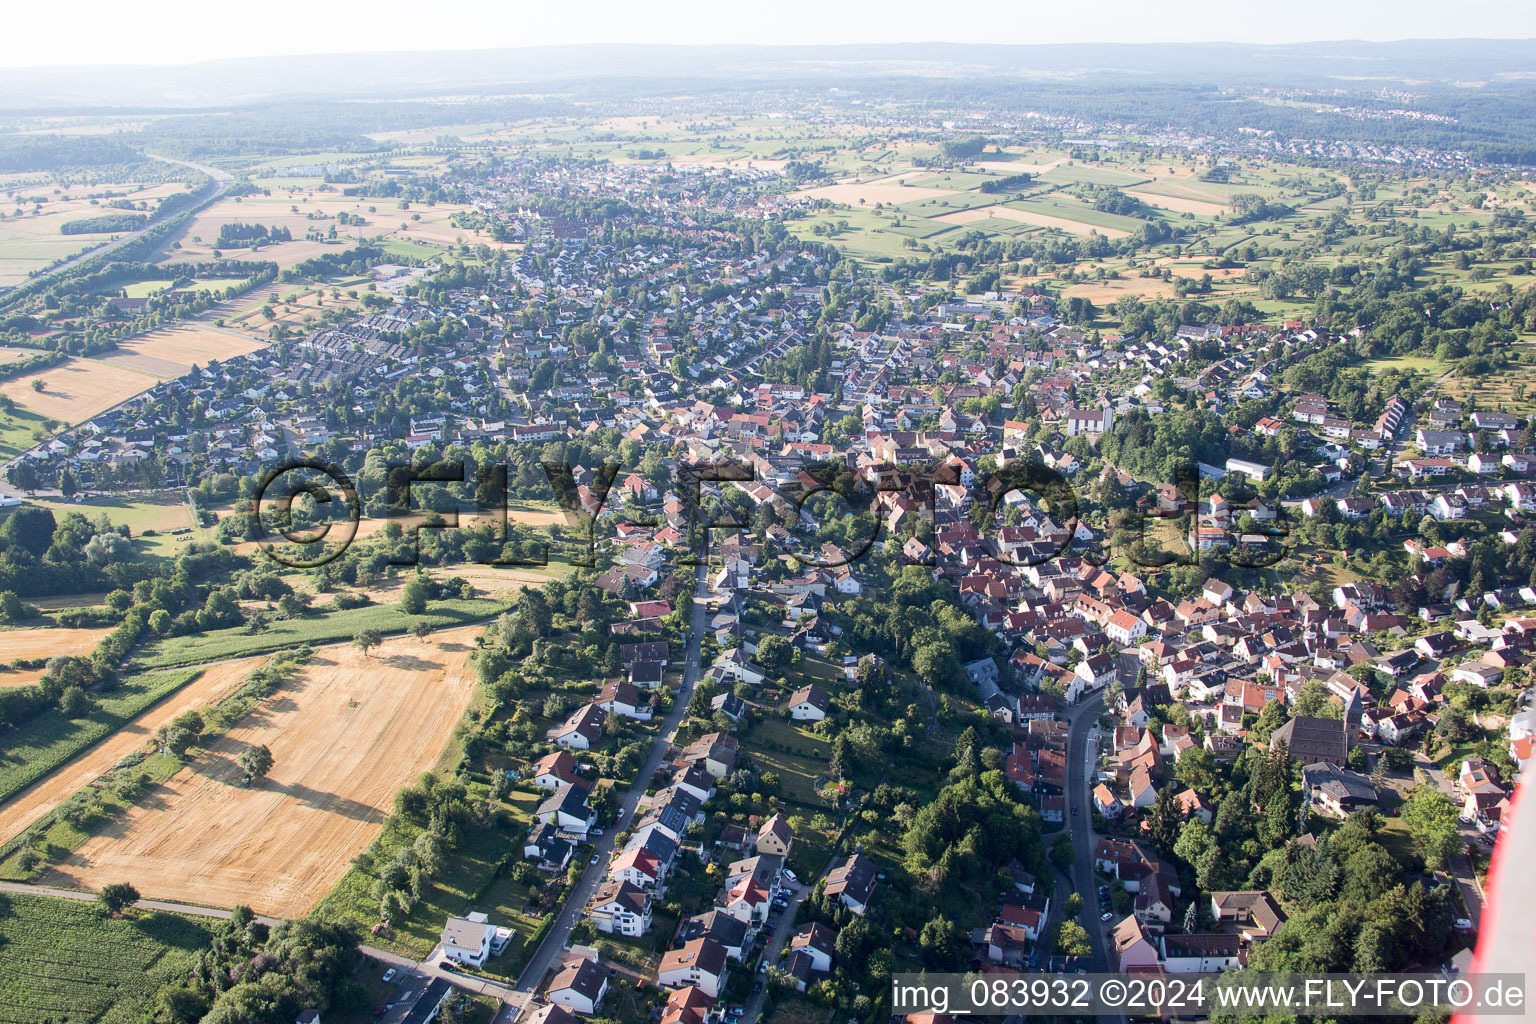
(1081, 770)
(555, 940)
(1460, 867)
(781, 933)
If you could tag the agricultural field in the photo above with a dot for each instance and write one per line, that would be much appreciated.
(45, 742)
(19, 428)
(346, 734)
(172, 351)
(320, 627)
(41, 643)
(30, 231)
(76, 390)
(65, 962)
(151, 520)
(209, 687)
(303, 206)
(298, 307)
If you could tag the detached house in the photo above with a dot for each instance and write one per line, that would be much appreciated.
(579, 986)
(853, 883)
(809, 704)
(701, 963)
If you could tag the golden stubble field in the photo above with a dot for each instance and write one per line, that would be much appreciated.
(345, 736)
(31, 240)
(45, 642)
(76, 390)
(215, 683)
(172, 351)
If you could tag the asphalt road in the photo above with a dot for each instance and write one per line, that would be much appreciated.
(1460, 867)
(1080, 773)
(781, 934)
(218, 182)
(556, 939)
(1080, 719)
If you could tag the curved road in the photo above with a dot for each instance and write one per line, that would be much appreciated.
(217, 183)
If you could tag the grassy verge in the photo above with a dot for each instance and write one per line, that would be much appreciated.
(315, 629)
(47, 741)
(54, 836)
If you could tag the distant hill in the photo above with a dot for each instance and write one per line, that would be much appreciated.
(602, 68)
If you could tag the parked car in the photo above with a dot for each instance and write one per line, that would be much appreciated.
(389, 976)
(790, 875)
(1105, 916)
(449, 965)
(1463, 924)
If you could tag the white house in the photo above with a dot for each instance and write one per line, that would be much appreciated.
(809, 704)
(579, 986)
(620, 908)
(1200, 954)
(472, 939)
(702, 963)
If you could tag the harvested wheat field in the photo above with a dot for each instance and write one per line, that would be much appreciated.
(1180, 204)
(1042, 220)
(76, 390)
(1103, 293)
(212, 685)
(46, 642)
(172, 351)
(345, 736)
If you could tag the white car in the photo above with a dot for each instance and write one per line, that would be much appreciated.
(790, 875)
(389, 976)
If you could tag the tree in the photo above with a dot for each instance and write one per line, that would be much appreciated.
(117, 897)
(413, 597)
(74, 702)
(1165, 819)
(68, 484)
(940, 939)
(255, 762)
(366, 638)
(773, 653)
(1062, 853)
(421, 630)
(1431, 821)
(29, 527)
(1196, 769)
(1072, 940)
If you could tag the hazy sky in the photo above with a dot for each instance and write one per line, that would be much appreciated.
(165, 32)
